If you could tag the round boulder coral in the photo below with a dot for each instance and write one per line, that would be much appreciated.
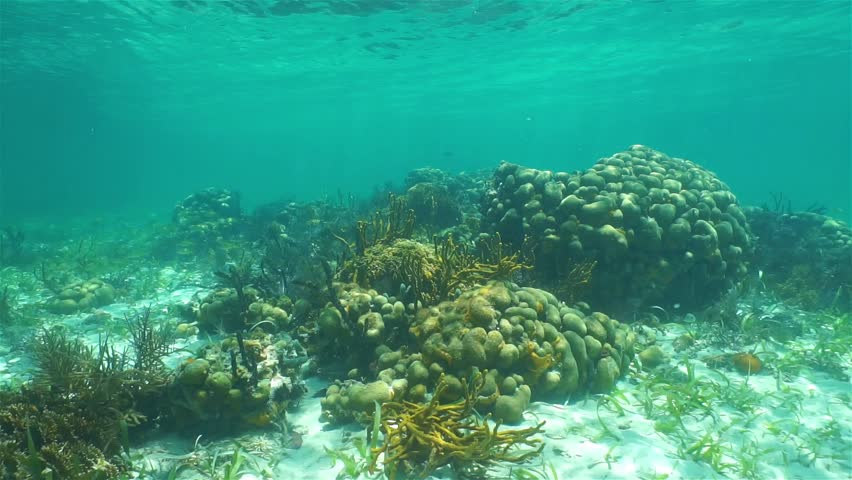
(81, 296)
(638, 228)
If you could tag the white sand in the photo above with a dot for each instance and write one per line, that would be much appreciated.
(579, 448)
(802, 430)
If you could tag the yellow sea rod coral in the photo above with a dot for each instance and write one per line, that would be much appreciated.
(420, 438)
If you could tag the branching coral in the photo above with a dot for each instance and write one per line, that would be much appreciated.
(70, 367)
(576, 281)
(41, 437)
(150, 342)
(383, 228)
(420, 438)
(458, 268)
(96, 379)
(71, 421)
(238, 277)
(383, 249)
(403, 260)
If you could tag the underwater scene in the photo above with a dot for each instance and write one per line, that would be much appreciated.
(446, 239)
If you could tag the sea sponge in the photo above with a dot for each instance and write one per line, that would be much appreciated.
(746, 363)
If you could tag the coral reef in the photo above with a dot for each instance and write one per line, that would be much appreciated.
(203, 223)
(385, 266)
(659, 230)
(221, 310)
(385, 226)
(362, 320)
(526, 334)
(447, 202)
(806, 257)
(212, 211)
(384, 257)
(460, 267)
(72, 420)
(41, 437)
(296, 238)
(532, 346)
(237, 383)
(82, 295)
(433, 204)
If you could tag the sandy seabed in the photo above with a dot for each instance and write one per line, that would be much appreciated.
(762, 426)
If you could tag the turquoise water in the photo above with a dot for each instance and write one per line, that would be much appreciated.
(132, 105)
(162, 312)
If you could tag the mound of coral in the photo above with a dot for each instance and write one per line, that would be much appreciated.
(80, 296)
(529, 344)
(806, 257)
(442, 200)
(652, 229)
(203, 221)
(221, 310)
(386, 266)
(238, 382)
(210, 210)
